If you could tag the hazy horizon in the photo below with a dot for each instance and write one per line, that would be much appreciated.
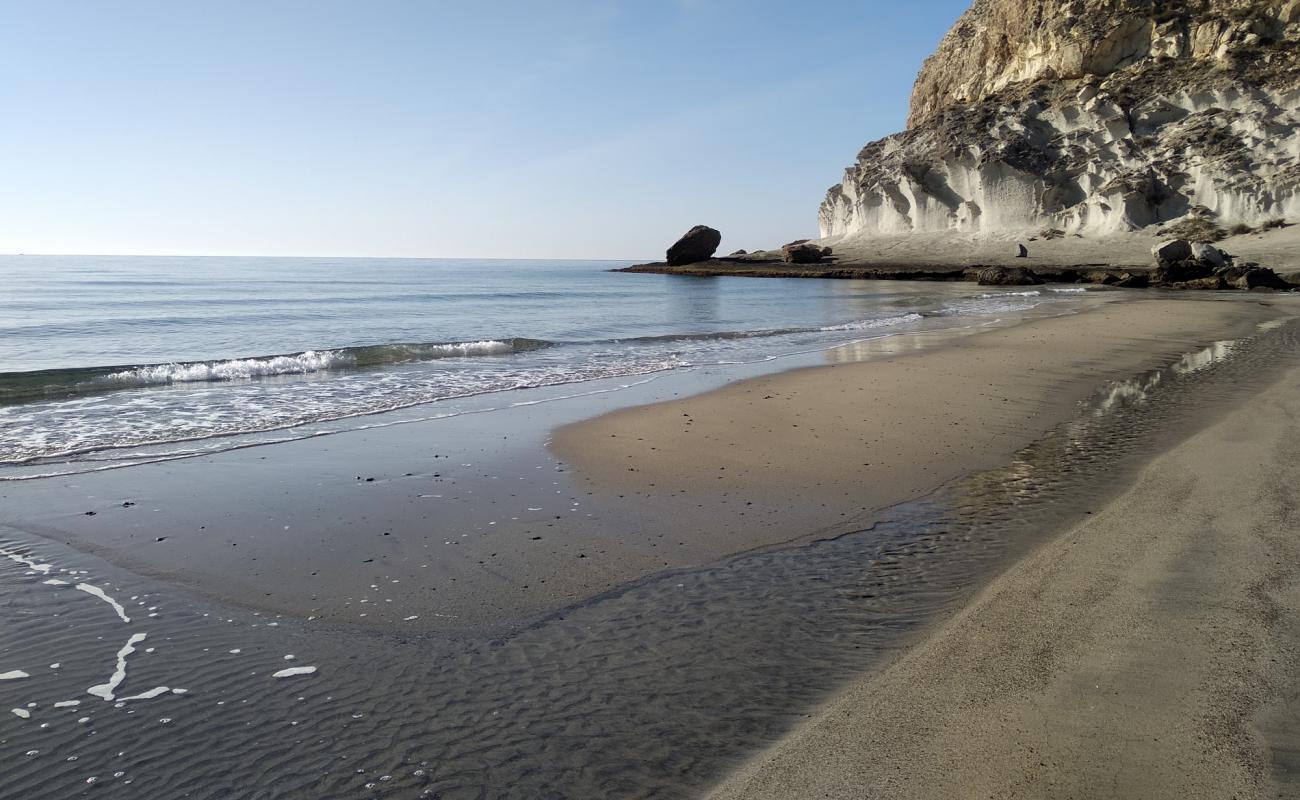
(596, 130)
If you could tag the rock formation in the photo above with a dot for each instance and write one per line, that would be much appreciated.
(1090, 117)
(804, 252)
(1008, 276)
(1181, 264)
(697, 244)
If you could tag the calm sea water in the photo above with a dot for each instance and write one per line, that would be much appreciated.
(99, 354)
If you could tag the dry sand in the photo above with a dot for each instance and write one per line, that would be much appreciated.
(1136, 655)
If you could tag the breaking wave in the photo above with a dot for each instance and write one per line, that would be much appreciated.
(23, 387)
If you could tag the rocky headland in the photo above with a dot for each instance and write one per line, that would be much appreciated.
(1076, 135)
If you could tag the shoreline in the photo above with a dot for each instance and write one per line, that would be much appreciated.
(823, 449)
(479, 532)
(1151, 649)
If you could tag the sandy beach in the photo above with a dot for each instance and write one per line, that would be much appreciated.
(855, 437)
(662, 589)
(1149, 651)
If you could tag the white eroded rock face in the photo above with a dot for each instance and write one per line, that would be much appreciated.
(1090, 116)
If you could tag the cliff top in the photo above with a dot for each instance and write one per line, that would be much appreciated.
(1000, 43)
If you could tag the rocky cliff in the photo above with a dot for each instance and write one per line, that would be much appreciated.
(1090, 117)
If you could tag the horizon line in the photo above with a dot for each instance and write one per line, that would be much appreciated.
(389, 258)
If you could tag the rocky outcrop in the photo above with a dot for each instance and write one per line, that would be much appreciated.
(1181, 264)
(1008, 276)
(1091, 117)
(804, 252)
(697, 244)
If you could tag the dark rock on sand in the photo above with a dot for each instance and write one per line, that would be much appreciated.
(1173, 251)
(802, 253)
(1182, 272)
(1251, 276)
(698, 244)
(1133, 280)
(1209, 283)
(1209, 254)
(1022, 251)
(1008, 276)
(1103, 277)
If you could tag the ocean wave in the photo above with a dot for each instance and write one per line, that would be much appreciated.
(233, 369)
(711, 336)
(23, 387)
(869, 324)
(1025, 293)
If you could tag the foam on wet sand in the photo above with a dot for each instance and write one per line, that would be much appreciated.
(294, 671)
(95, 591)
(105, 690)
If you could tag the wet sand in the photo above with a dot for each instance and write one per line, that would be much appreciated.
(862, 436)
(471, 523)
(1150, 651)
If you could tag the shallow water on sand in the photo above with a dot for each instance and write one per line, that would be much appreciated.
(652, 690)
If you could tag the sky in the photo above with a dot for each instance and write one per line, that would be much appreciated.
(422, 128)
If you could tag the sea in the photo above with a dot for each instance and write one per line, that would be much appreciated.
(115, 360)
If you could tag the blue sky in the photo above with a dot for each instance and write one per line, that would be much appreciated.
(546, 129)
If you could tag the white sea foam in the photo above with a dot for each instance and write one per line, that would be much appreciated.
(105, 690)
(55, 582)
(1025, 293)
(233, 369)
(149, 695)
(13, 675)
(292, 671)
(869, 324)
(34, 566)
(98, 592)
(67, 703)
(22, 712)
(296, 364)
(486, 347)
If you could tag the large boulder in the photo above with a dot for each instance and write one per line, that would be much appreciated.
(1209, 254)
(699, 244)
(803, 252)
(1197, 265)
(1008, 276)
(1172, 251)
